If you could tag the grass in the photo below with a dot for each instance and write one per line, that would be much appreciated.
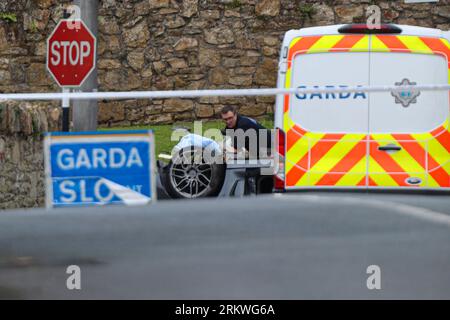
(164, 132)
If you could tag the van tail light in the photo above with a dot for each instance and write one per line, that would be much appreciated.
(368, 29)
(279, 177)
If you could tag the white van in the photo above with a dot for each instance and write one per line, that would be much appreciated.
(363, 140)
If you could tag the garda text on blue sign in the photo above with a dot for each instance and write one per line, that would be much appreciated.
(95, 168)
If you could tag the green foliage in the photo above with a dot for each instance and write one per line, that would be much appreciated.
(306, 10)
(35, 124)
(8, 16)
(33, 26)
(263, 18)
(234, 4)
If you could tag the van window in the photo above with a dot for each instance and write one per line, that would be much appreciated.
(331, 113)
(422, 114)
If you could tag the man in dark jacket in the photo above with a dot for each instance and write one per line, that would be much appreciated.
(245, 132)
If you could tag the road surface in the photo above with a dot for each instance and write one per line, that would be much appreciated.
(290, 246)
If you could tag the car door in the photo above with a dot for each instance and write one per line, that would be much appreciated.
(409, 138)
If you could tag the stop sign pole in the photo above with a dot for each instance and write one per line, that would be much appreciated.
(71, 57)
(85, 111)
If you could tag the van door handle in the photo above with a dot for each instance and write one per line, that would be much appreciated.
(283, 67)
(390, 147)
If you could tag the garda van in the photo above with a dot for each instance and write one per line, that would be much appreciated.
(379, 140)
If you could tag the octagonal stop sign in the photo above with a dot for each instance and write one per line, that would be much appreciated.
(71, 52)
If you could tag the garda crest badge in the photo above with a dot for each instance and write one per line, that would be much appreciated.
(405, 98)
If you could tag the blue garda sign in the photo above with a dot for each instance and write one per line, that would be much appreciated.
(97, 168)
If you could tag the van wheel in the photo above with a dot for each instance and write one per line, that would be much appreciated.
(189, 175)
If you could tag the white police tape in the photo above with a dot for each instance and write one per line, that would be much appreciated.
(119, 95)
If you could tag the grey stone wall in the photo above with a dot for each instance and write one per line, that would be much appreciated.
(183, 44)
(21, 152)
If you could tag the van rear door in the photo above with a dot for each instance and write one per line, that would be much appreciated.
(327, 133)
(404, 127)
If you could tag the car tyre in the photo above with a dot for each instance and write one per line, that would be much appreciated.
(192, 174)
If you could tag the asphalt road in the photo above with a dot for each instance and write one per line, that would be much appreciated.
(293, 246)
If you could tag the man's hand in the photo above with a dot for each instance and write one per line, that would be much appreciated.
(242, 154)
(227, 146)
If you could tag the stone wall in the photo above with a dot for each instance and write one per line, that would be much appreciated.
(21, 152)
(183, 44)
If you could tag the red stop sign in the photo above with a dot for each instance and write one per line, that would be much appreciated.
(71, 52)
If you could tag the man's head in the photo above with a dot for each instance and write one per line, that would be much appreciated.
(229, 115)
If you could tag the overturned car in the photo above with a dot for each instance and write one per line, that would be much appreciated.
(201, 167)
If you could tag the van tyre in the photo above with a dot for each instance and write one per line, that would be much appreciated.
(190, 174)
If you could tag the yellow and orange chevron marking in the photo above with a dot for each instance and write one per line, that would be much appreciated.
(321, 159)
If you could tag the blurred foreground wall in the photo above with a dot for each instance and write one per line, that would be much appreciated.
(21, 152)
